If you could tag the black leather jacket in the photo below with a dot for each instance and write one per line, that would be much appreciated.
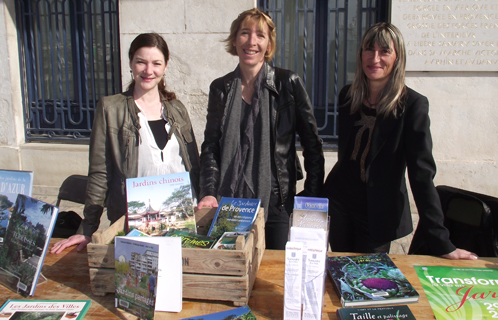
(291, 112)
(114, 144)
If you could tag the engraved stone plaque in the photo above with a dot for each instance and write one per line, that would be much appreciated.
(448, 35)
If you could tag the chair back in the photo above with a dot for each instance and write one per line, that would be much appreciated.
(471, 218)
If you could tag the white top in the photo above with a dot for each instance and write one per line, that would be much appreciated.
(149, 154)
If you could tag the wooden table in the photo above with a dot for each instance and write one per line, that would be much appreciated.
(68, 278)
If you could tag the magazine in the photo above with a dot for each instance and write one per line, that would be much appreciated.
(159, 203)
(310, 212)
(385, 313)
(12, 183)
(26, 242)
(190, 240)
(234, 314)
(228, 240)
(148, 275)
(460, 293)
(234, 214)
(45, 309)
(369, 280)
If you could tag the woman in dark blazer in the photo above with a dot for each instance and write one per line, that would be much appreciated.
(383, 131)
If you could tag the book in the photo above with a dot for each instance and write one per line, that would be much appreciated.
(310, 212)
(148, 275)
(460, 293)
(190, 240)
(45, 309)
(159, 203)
(233, 314)
(26, 242)
(369, 280)
(385, 313)
(234, 214)
(137, 233)
(12, 183)
(228, 240)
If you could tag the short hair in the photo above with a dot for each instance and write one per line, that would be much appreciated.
(151, 40)
(390, 96)
(258, 17)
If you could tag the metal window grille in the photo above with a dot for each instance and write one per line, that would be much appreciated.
(318, 39)
(70, 58)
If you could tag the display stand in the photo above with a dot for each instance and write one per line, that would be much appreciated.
(309, 228)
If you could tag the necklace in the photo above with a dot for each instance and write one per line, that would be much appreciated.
(371, 105)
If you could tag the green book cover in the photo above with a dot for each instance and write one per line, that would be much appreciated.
(460, 293)
(45, 309)
(191, 240)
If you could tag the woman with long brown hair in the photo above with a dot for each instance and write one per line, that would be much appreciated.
(144, 131)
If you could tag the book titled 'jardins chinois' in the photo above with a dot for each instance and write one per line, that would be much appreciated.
(460, 293)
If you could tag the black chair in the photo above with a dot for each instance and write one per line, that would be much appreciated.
(471, 218)
(72, 189)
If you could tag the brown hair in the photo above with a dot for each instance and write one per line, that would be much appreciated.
(151, 40)
(390, 96)
(258, 17)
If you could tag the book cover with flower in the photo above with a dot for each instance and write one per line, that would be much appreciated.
(460, 293)
(369, 280)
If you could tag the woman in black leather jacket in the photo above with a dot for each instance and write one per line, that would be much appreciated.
(253, 116)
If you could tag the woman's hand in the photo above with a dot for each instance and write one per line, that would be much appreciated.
(461, 254)
(77, 239)
(207, 201)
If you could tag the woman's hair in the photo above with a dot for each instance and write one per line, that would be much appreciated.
(259, 17)
(390, 96)
(151, 40)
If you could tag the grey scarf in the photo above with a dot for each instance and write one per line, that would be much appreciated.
(245, 166)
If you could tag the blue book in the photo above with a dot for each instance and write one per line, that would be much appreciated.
(12, 183)
(234, 215)
(237, 313)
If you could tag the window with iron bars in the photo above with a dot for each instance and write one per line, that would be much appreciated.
(69, 57)
(319, 39)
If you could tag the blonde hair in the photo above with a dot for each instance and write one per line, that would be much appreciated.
(259, 17)
(391, 95)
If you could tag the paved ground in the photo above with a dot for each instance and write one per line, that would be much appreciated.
(399, 246)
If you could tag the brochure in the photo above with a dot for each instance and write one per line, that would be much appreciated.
(45, 309)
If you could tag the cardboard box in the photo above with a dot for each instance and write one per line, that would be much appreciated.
(226, 275)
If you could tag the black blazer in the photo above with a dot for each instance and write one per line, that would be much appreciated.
(398, 144)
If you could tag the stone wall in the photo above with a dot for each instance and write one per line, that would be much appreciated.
(462, 104)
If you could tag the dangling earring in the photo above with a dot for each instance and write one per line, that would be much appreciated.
(131, 75)
(164, 79)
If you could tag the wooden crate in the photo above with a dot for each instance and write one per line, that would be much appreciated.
(226, 275)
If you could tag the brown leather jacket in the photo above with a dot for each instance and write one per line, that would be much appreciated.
(113, 157)
(291, 112)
